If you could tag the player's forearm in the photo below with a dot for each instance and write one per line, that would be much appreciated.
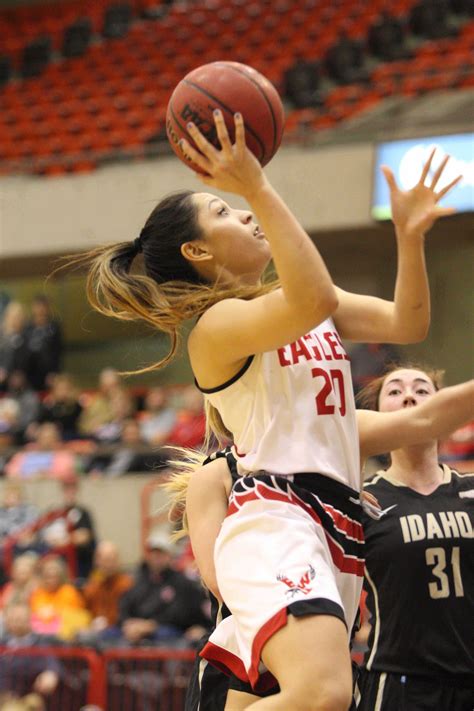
(305, 280)
(412, 294)
(449, 409)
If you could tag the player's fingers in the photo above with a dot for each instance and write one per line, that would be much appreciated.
(222, 133)
(439, 172)
(426, 168)
(239, 133)
(191, 154)
(389, 177)
(444, 211)
(201, 141)
(448, 187)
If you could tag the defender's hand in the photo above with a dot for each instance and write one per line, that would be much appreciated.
(415, 211)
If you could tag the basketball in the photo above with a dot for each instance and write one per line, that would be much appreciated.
(231, 87)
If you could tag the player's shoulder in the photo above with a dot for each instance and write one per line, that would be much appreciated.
(377, 480)
(462, 482)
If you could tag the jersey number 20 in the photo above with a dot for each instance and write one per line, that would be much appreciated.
(333, 382)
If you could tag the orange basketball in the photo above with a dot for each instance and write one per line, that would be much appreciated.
(231, 87)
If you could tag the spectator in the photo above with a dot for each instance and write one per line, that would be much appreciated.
(104, 589)
(98, 410)
(45, 458)
(76, 527)
(158, 418)
(9, 418)
(15, 513)
(41, 672)
(131, 454)
(122, 407)
(19, 390)
(57, 607)
(163, 604)
(14, 354)
(44, 339)
(24, 580)
(190, 427)
(7, 444)
(62, 406)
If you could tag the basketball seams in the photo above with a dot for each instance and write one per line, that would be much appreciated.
(261, 90)
(213, 86)
(185, 134)
(210, 96)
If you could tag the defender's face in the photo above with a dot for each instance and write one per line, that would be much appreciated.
(405, 388)
(233, 237)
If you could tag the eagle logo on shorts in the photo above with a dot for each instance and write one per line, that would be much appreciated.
(302, 586)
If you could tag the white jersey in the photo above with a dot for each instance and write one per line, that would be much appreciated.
(292, 410)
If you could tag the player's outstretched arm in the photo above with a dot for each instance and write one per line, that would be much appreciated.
(437, 417)
(406, 319)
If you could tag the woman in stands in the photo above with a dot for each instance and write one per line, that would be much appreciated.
(398, 590)
(203, 258)
(419, 567)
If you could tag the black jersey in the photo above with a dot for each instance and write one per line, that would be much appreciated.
(420, 577)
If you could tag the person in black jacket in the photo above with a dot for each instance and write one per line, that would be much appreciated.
(163, 604)
(44, 341)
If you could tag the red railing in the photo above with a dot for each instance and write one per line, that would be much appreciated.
(81, 674)
(147, 679)
(117, 680)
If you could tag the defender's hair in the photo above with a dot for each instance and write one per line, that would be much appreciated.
(369, 396)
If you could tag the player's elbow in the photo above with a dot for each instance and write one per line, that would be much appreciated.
(418, 334)
(325, 304)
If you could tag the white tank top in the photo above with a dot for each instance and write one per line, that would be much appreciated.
(292, 410)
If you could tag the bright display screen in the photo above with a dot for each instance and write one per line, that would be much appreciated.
(406, 159)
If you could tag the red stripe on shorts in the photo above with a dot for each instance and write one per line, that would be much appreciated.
(345, 563)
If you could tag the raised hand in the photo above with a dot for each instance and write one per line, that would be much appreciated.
(415, 211)
(234, 168)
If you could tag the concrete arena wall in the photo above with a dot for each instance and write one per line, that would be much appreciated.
(114, 504)
(60, 215)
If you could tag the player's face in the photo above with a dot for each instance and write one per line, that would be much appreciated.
(233, 238)
(405, 388)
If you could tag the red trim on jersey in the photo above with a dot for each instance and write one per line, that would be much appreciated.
(345, 563)
(237, 452)
(224, 660)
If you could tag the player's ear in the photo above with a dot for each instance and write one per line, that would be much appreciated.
(196, 251)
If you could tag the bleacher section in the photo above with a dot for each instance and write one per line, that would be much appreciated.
(85, 82)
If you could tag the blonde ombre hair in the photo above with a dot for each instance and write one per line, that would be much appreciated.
(165, 290)
(176, 485)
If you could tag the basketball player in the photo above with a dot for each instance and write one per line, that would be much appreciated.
(209, 487)
(204, 258)
(419, 569)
